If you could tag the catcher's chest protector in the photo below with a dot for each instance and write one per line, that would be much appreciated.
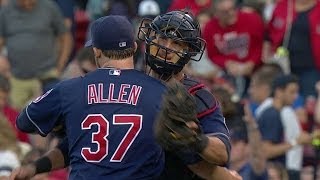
(206, 103)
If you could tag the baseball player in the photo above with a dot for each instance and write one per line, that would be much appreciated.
(172, 40)
(107, 114)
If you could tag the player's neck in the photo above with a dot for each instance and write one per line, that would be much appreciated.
(126, 63)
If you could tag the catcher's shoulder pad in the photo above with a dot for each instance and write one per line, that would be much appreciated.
(206, 102)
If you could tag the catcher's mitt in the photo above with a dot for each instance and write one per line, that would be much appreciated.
(177, 126)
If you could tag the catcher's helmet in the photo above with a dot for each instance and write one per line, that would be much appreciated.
(179, 26)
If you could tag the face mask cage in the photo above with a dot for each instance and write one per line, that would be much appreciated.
(182, 31)
(180, 28)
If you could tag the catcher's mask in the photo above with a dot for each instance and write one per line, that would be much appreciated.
(182, 30)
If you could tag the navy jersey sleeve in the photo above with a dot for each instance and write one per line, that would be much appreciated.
(210, 115)
(211, 119)
(214, 124)
(42, 114)
(270, 125)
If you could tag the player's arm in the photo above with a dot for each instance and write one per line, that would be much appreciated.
(216, 151)
(213, 126)
(24, 125)
(43, 114)
(59, 156)
(213, 172)
(54, 159)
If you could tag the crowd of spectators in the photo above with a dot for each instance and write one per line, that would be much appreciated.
(262, 62)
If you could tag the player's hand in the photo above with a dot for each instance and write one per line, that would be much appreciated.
(23, 172)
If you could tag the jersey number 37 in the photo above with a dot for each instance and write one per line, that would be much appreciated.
(100, 136)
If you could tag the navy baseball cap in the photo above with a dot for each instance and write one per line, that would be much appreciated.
(112, 32)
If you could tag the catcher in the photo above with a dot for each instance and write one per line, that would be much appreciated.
(191, 129)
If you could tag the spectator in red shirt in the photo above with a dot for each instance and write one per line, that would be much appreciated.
(234, 40)
(300, 19)
(194, 6)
